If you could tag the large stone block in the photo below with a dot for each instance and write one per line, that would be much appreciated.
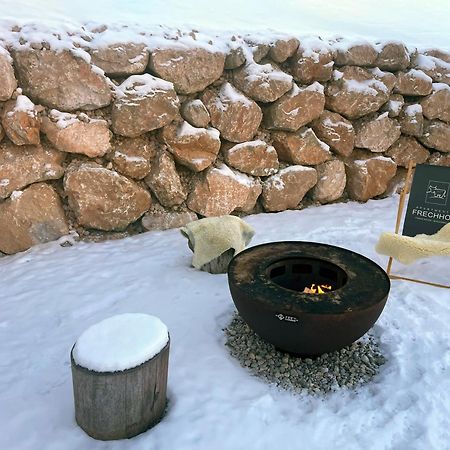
(336, 131)
(20, 121)
(61, 80)
(436, 134)
(437, 105)
(411, 120)
(313, 61)
(301, 148)
(21, 166)
(368, 175)
(286, 189)
(263, 83)
(254, 158)
(133, 157)
(351, 54)
(355, 91)
(393, 56)
(29, 217)
(413, 82)
(377, 133)
(296, 108)
(219, 191)
(331, 181)
(165, 182)
(189, 69)
(103, 199)
(144, 103)
(8, 82)
(90, 137)
(195, 148)
(121, 59)
(236, 116)
(407, 149)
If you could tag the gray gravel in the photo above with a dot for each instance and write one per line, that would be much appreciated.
(347, 368)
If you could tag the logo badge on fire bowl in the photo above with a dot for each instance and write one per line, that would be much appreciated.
(437, 192)
(286, 318)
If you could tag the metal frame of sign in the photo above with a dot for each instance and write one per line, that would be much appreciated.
(401, 206)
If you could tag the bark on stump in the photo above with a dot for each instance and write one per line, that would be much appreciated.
(122, 404)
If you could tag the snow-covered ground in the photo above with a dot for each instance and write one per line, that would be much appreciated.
(49, 295)
(415, 22)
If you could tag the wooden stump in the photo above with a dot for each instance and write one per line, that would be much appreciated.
(117, 405)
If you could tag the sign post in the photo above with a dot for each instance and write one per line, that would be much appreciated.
(428, 207)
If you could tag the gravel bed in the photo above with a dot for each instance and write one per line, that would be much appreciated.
(349, 367)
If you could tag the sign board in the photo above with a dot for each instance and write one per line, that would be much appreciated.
(429, 201)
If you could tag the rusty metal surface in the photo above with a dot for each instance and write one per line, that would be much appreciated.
(307, 323)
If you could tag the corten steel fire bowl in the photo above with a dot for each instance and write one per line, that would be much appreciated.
(267, 283)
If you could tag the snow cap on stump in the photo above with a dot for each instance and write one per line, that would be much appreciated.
(120, 342)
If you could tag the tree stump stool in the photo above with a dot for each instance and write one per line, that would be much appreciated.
(119, 374)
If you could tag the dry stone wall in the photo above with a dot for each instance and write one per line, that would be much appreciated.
(127, 137)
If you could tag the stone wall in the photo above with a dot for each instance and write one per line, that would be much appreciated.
(127, 138)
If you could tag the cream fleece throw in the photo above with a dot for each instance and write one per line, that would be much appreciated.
(212, 236)
(407, 249)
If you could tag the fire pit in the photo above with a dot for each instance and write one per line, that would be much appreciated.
(307, 298)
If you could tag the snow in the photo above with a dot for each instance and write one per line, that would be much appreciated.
(440, 87)
(412, 110)
(240, 177)
(120, 342)
(186, 129)
(366, 87)
(143, 86)
(128, 158)
(229, 94)
(23, 103)
(418, 75)
(62, 119)
(265, 73)
(410, 21)
(51, 294)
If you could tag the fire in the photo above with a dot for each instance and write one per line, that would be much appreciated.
(317, 289)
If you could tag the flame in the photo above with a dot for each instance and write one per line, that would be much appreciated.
(317, 289)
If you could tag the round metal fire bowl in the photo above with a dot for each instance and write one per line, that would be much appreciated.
(266, 284)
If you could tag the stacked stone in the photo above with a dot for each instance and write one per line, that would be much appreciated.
(129, 135)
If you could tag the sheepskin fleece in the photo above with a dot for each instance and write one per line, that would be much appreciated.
(407, 249)
(212, 236)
